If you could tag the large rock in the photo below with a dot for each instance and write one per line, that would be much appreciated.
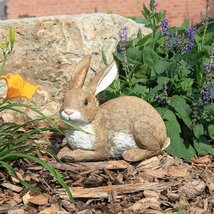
(47, 48)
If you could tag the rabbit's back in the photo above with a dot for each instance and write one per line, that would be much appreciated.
(121, 113)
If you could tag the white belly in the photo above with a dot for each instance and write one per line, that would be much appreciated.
(120, 143)
(81, 140)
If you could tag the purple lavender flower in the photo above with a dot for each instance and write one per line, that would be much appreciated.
(153, 5)
(207, 92)
(174, 41)
(123, 35)
(208, 67)
(189, 41)
(165, 27)
(171, 40)
(157, 99)
(191, 31)
(163, 98)
(165, 30)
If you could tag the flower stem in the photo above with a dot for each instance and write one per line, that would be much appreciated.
(3, 65)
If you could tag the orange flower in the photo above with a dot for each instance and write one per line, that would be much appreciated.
(18, 87)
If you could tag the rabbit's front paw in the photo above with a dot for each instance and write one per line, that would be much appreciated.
(66, 154)
(82, 155)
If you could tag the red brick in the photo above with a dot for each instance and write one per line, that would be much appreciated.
(177, 11)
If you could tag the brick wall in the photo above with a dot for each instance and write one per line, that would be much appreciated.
(177, 11)
(211, 8)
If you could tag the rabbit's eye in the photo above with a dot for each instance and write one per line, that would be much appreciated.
(86, 102)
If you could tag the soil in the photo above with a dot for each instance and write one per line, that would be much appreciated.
(162, 184)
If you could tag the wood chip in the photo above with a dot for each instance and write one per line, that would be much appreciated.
(12, 187)
(177, 171)
(153, 162)
(16, 211)
(158, 173)
(36, 168)
(51, 210)
(192, 189)
(15, 180)
(17, 198)
(4, 208)
(173, 197)
(26, 198)
(202, 160)
(151, 194)
(85, 212)
(41, 199)
(105, 191)
(4, 197)
(12, 203)
(110, 165)
(70, 207)
(145, 203)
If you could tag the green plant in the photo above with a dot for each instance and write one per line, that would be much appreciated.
(172, 69)
(14, 142)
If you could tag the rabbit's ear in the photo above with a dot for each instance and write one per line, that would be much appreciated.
(103, 79)
(80, 72)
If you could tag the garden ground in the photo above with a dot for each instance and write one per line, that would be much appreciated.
(161, 184)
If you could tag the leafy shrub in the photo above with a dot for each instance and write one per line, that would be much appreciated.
(16, 139)
(171, 68)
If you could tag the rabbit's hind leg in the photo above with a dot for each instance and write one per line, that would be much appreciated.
(147, 141)
(147, 135)
(136, 154)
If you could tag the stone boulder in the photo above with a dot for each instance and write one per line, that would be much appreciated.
(47, 48)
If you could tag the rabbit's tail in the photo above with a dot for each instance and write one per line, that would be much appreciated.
(166, 143)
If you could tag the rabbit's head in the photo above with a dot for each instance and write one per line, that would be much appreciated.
(80, 105)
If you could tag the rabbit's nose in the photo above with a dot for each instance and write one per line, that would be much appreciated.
(68, 111)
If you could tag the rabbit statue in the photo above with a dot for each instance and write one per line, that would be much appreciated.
(126, 126)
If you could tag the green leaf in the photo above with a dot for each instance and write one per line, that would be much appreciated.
(162, 65)
(146, 11)
(203, 146)
(193, 59)
(198, 130)
(134, 53)
(186, 84)
(162, 80)
(104, 57)
(145, 41)
(198, 39)
(139, 34)
(182, 108)
(156, 89)
(184, 26)
(211, 130)
(150, 57)
(12, 34)
(139, 89)
(155, 62)
(167, 114)
(159, 16)
(177, 146)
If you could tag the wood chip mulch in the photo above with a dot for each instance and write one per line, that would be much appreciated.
(161, 184)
